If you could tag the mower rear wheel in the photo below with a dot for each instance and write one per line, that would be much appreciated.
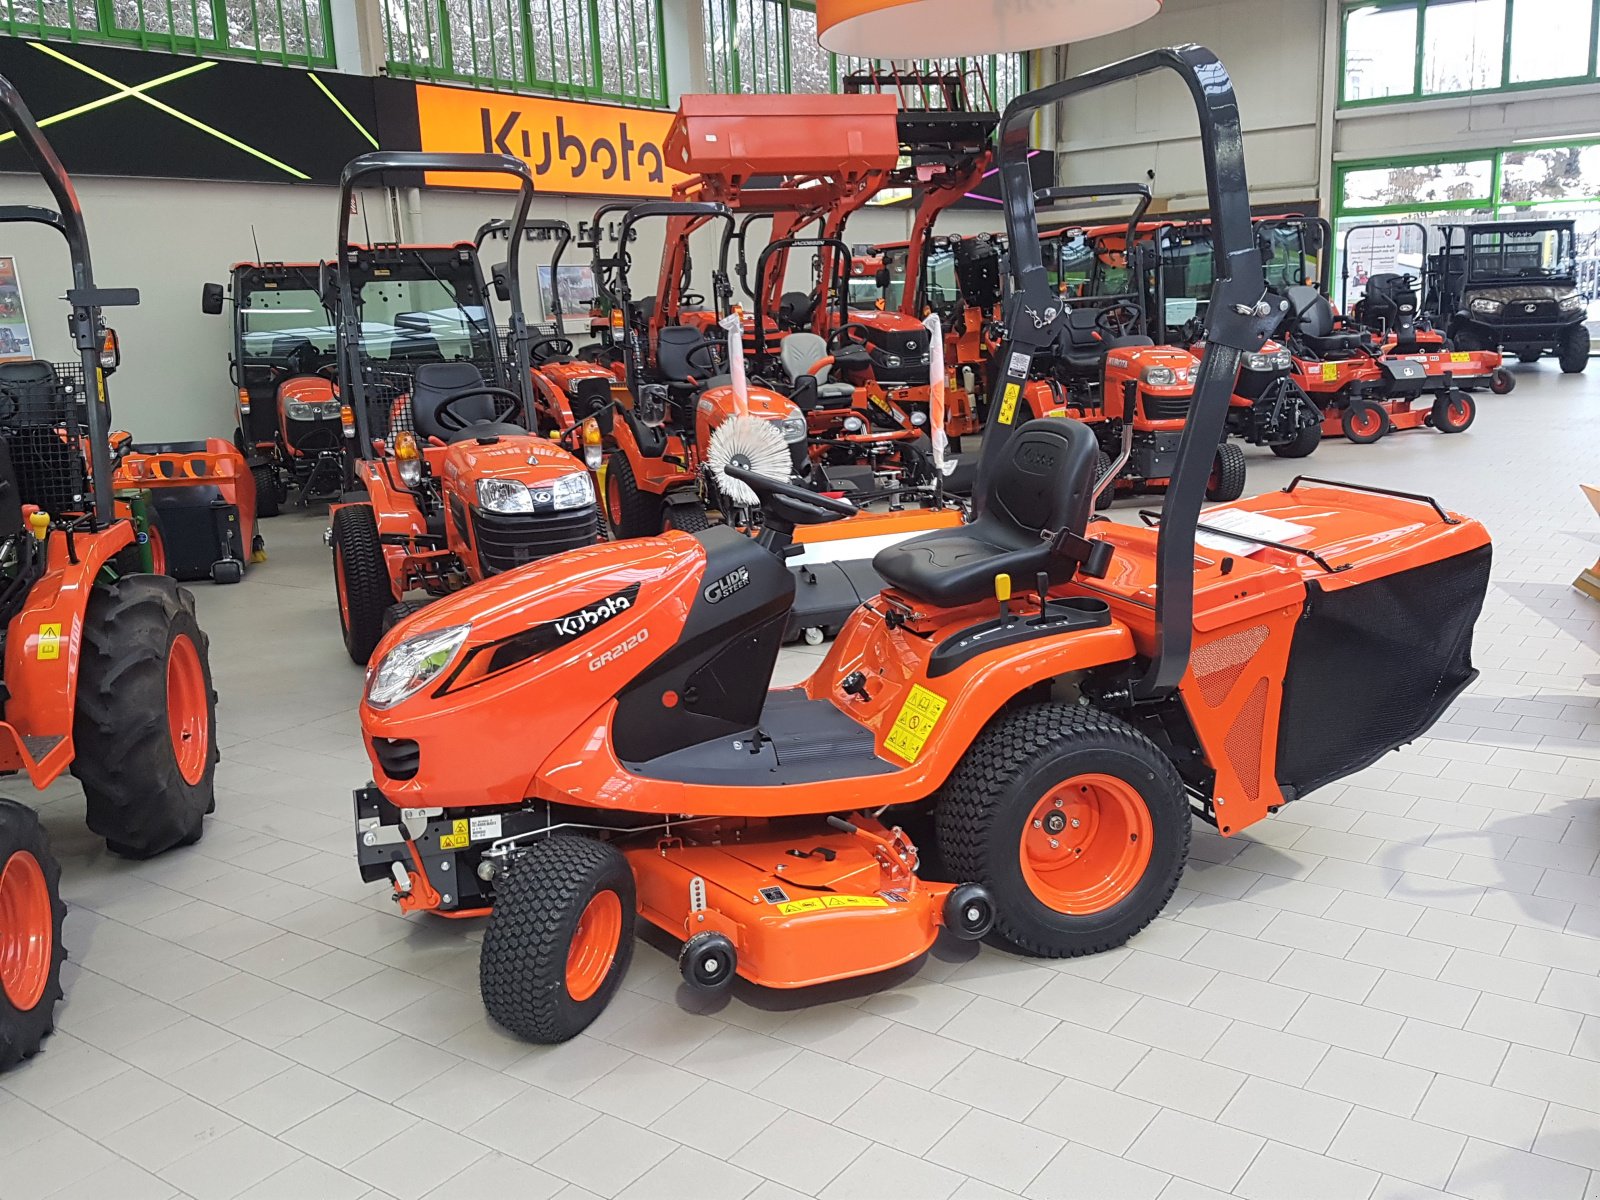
(1529, 356)
(267, 498)
(1453, 413)
(687, 518)
(1364, 424)
(361, 580)
(1502, 382)
(145, 731)
(1227, 474)
(630, 512)
(31, 951)
(1574, 350)
(1073, 820)
(559, 939)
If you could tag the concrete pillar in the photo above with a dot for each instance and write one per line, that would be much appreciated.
(358, 41)
(683, 40)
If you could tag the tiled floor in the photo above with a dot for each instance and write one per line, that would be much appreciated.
(1390, 990)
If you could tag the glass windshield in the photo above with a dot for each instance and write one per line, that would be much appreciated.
(1521, 252)
(273, 322)
(944, 289)
(424, 318)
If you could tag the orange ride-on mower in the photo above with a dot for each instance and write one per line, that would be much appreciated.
(457, 484)
(202, 510)
(592, 743)
(283, 366)
(105, 670)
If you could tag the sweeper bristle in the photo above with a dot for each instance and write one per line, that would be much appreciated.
(751, 444)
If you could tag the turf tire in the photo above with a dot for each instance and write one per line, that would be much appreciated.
(1442, 418)
(1227, 474)
(687, 518)
(1529, 356)
(361, 580)
(267, 498)
(984, 805)
(522, 969)
(630, 512)
(1573, 351)
(22, 1030)
(400, 610)
(1359, 435)
(1306, 439)
(137, 797)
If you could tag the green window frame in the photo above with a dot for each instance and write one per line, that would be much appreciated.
(1439, 10)
(605, 50)
(286, 32)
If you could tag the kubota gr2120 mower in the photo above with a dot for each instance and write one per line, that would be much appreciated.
(105, 668)
(591, 742)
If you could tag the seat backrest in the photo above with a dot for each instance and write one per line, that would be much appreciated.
(1310, 312)
(1044, 481)
(30, 394)
(795, 309)
(433, 384)
(799, 352)
(416, 348)
(673, 345)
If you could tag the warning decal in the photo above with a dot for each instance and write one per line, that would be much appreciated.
(459, 837)
(1330, 370)
(1008, 403)
(49, 642)
(822, 903)
(918, 715)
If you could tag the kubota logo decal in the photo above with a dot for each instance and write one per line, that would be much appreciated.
(595, 615)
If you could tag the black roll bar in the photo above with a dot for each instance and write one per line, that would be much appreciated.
(1239, 319)
(841, 278)
(87, 325)
(349, 321)
(559, 230)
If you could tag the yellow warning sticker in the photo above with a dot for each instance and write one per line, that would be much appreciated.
(823, 903)
(1330, 370)
(918, 715)
(1008, 403)
(459, 837)
(1460, 356)
(49, 642)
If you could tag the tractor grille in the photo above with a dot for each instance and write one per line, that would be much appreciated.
(1516, 312)
(505, 541)
(1166, 408)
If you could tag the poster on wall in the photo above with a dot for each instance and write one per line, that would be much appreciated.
(15, 341)
(577, 291)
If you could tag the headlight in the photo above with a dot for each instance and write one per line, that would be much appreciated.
(1275, 361)
(793, 426)
(572, 491)
(411, 665)
(504, 496)
(854, 424)
(1482, 304)
(311, 410)
(892, 360)
(919, 418)
(411, 471)
(1571, 302)
(1158, 377)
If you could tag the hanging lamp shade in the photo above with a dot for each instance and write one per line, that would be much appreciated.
(954, 28)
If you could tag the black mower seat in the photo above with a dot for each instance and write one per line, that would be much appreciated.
(1044, 483)
(434, 383)
(1313, 320)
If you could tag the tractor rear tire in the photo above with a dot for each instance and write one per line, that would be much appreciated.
(1227, 474)
(1574, 350)
(688, 518)
(145, 729)
(1529, 356)
(630, 512)
(559, 939)
(361, 580)
(31, 950)
(1365, 423)
(1123, 822)
(1306, 439)
(267, 498)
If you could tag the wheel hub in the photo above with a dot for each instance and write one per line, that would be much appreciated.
(1086, 844)
(27, 931)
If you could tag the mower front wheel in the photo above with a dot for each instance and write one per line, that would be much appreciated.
(1573, 351)
(631, 512)
(361, 580)
(145, 731)
(1502, 382)
(267, 495)
(1074, 822)
(559, 939)
(1453, 413)
(1227, 474)
(1364, 424)
(31, 951)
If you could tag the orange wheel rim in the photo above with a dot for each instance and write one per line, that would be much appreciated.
(158, 551)
(338, 585)
(27, 931)
(1365, 422)
(187, 718)
(613, 501)
(1086, 844)
(594, 945)
(1458, 412)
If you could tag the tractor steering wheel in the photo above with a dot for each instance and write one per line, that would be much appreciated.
(1118, 319)
(454, 422)
(800, 504)
(841, 336)
(691, 300)
(559, 347)
(707, 350)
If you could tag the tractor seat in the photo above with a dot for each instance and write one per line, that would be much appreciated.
(1044, 483)
(1082, 346)
(673, 360)
(434, 383)
(798, 353)
(1315, 324)
(30, 393)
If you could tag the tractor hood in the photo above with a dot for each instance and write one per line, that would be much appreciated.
(529, 459)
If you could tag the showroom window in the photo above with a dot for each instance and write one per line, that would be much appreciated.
(1414, 49)
(291, 32)
(588, 49)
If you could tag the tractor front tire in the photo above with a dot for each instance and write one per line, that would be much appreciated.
(688, 518)
(361, 580)
(1075, 822)
(31, 951)
(1573, 351)
(145, 730)
(630, 512)
(267, 498)
(1306, 439)
(1227, 474)
(559, 939)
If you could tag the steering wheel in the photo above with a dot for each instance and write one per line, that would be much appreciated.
(691, 300)
(822, 508)
(841, 336)
(329, 371)
(1119, 318)
(454, 422)
(560, 347)
(706, 350)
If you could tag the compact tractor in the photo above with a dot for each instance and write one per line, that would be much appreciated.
(452, 484)
(106, 671)
(593, 744)
(283, 367)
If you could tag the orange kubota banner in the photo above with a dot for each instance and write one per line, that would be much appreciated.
(572, 148)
